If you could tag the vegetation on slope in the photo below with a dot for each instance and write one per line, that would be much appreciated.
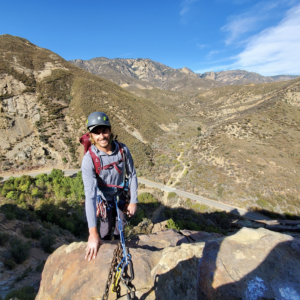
(51, 198)
(239, 145)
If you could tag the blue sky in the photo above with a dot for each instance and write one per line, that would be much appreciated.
(216, 35)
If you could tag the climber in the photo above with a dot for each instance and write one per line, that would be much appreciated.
(107, 168)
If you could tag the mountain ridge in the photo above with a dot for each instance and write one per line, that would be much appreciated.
(144, 73)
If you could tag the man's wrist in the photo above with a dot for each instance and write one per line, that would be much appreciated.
(93, 231)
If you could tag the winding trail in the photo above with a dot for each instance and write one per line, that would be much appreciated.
(219, 205)
(181, 174)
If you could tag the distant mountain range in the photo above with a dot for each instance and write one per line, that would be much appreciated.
(244, 77)
(133, 74)
(147, 74)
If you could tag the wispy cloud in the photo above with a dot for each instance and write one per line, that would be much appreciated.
(252, 20)
(274, 50)
(212, 53)
(185, 8)
(201, 46)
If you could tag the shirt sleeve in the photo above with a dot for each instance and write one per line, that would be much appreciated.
(90, 190)
(130, 171)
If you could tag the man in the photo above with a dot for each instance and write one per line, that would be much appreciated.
(109, 183)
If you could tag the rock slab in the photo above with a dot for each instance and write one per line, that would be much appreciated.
(161, 261)
(250, 265)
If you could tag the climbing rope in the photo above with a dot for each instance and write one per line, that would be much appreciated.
(121, 260)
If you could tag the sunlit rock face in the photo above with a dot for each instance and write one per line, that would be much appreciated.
(250, 265)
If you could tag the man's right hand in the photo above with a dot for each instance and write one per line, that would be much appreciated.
(93, 244)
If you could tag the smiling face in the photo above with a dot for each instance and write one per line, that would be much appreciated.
(101, 137)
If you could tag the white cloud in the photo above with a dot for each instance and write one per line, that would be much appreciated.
(201, 46)
(211, 53)
(250, 21)
(275, 50)
(185, 8)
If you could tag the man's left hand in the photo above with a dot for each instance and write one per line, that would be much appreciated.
(131, 209)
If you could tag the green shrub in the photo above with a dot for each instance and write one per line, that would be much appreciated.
(148, 198)
(47, 243)
(290, 216)
(22, 198)
(64, 160)
(70, 226)
(193, 226)
(4, 237)
(138, 217)
(171, 195)
(36, 193)
(172, 225)
(189, 202)
(168, 213)
(10, 216)
(9, 263)
(262, 203)
(19, 251)
(12, 211)
(31, 232)
(12, 195)
(25, 293)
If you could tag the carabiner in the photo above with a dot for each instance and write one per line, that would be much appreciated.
(116, 280)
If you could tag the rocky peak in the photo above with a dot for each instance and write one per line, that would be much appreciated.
(187, 71)
(209, 75)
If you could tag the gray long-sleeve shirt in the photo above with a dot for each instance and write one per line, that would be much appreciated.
(108, 176)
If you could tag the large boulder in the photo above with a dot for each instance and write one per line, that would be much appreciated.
(250, 265)
(161, 261)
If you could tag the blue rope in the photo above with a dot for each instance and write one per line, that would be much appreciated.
(126, 256)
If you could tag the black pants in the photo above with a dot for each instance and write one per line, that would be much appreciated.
(106, 225)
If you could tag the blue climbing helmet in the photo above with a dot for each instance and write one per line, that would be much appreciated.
(95, 119)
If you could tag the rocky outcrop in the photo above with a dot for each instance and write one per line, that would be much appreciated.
(24, 105)
(10, 86)
(145, 74)
(165, 258)
(252, 264)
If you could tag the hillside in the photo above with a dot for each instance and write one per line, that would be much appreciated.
(237, 144)
(45, 101)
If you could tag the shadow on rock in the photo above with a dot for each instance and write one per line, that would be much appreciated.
(250, 265)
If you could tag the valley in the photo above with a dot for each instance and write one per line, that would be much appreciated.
(229, 136)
